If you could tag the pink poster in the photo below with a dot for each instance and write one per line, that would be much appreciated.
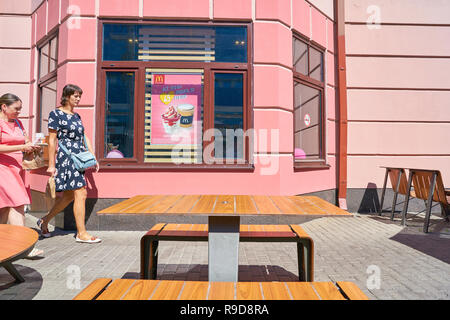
(176, 109)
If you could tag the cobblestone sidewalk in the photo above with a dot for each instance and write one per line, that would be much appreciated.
(385, 260)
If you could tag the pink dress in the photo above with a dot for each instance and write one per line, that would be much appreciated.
(13, 192)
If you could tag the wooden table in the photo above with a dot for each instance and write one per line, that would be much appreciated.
(224, 212)
(131, 289)
(16, 242)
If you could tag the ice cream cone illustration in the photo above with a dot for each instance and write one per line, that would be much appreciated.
(171, 120)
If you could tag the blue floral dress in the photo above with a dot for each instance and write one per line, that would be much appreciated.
(70, 133)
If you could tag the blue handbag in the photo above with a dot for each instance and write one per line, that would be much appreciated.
(82, 160)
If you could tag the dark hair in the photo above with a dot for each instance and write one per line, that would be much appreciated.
(69, 90)
(9, 99)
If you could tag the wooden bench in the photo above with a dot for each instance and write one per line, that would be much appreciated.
(428, 186)
(132, 289)
(16, 242)
(248, 233)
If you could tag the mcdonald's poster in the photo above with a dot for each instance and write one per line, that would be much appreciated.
(176, 109)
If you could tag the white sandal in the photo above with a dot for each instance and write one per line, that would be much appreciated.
(39, 224)
(91, 240)
(34, 253)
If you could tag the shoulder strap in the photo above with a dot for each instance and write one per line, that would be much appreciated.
(63, 148)
(18, 124)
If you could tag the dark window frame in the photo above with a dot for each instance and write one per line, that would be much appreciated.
(318, 85)
(49, 77)
(208, 103)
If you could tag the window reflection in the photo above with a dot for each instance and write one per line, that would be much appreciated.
(308, 122)
(122, 42)
(48, 103)
(228, 115)
(119, 115)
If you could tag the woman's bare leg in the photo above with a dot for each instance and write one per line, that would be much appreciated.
(17, 216)
(4, 212)
(60, 204)
(79, 211)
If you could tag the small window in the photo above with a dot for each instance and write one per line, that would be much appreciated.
(175, 96)
(228, 115)
(308, 61)
(119, 115)
(123, 42)
(308, 121)
(48, 103)
(47, 98)
(309, 112)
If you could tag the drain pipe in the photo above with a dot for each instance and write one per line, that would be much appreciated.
(339, 9)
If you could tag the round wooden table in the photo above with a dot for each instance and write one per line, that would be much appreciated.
(16, 242)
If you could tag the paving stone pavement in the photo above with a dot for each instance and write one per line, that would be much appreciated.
(387, 261)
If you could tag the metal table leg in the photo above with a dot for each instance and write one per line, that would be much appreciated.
(223, 248)
(13, 271)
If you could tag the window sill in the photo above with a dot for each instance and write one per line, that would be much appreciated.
(177, 168)
(303, 165)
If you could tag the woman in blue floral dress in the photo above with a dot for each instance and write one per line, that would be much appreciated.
(66, 128)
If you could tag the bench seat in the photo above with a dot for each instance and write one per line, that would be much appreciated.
(248, 233)
(132, 289)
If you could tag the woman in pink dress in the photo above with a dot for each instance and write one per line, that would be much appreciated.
(13, 141)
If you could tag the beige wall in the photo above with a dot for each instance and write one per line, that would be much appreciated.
(326, 6)
(398, 66)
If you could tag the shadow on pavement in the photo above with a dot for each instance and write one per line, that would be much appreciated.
(435, 243)
(200, 273)
(9, 289)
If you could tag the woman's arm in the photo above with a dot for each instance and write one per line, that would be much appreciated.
(52, 142)
(27, 147)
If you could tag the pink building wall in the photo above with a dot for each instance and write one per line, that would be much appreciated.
(398, 87)
(274, 21)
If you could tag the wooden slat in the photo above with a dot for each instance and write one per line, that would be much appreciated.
(248, 291)
(245, 205)
(118, 207)
(165, 204)
(187, 58)
(351, 290)
(302, 291)
(141, 290)
(167, 290)
(275, 291)
(116, 289)
(224, 204)
(93, 289)
(129, 289)
(221, 291)
(144, 205)
(157, 226)
(306, 205)
(205, 204)
(195, 290)
(186, 52)
(184, 205)
(265, 205)
(327, 291)
(329, 208)
(286, 206)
